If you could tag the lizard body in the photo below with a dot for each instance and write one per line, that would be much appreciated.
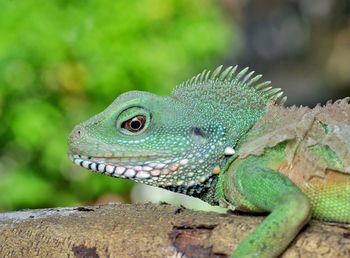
(227, 139)
(311, 147)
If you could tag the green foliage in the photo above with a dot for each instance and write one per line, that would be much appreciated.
(62, 61)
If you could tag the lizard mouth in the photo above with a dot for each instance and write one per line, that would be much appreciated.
(139, 171)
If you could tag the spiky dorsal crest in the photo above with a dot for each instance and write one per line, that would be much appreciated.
(236, 79)
(235, 99)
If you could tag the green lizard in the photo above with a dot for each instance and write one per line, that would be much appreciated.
(225, 137)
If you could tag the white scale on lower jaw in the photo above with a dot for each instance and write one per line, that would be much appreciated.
(86, 164)
(77, 161)
(119, 170)
(130, 173)
(101, 167)
(110, 169)
(93, 166)
(143, 175)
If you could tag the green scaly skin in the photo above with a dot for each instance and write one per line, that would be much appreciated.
(227, 139)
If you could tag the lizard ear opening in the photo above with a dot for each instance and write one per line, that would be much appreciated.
(199, 135)
(133, 121)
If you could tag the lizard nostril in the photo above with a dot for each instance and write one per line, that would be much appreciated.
(75, 137)
(77, 134)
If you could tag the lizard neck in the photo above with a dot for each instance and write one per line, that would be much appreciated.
(213, 163)
(206, 192)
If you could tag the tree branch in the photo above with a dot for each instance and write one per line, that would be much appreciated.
(148, 230)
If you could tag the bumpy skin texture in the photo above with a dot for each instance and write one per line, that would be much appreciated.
(227, 139)
(312, 148)
(297, 158)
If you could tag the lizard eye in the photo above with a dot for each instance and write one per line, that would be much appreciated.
(135, 124)
(133, 121)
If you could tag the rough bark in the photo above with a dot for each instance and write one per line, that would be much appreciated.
(148, 230)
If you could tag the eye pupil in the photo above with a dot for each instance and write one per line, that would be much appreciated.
(134, 124)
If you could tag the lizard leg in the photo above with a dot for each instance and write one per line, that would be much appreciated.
(290, 211)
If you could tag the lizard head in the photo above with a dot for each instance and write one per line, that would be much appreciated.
(150, 139)
(180, 142)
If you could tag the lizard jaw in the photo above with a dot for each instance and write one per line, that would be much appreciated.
(174, 174)
(149, 170)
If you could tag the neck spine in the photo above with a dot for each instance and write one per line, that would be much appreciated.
(235, 100)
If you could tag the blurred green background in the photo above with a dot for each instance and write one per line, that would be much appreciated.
(63, 61)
